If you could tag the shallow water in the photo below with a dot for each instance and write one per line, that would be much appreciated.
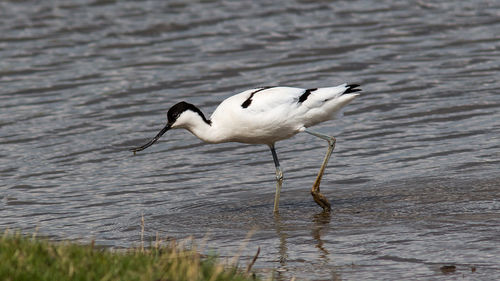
(413, 180)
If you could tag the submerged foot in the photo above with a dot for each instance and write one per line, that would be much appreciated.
(321, 200)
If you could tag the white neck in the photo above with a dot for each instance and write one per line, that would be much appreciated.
(204, 132)
(193, 122)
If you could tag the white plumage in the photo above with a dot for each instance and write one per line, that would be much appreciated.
(264, 116)
(275, 113)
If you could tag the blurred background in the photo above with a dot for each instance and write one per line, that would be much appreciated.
(413, 180)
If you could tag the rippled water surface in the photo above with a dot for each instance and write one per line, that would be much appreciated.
(413, 180)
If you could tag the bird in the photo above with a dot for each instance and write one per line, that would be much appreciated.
(265, 115)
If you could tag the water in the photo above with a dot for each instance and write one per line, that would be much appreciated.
(413, 180)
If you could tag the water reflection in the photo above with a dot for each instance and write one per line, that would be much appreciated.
(319, 227)
(280, 228)
(321, 223)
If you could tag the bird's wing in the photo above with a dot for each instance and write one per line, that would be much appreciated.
(267, 99)
(321, 95)
(277, 104)
(263, 99)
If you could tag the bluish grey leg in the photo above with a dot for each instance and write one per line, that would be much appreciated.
(279, 179)
(317, 196)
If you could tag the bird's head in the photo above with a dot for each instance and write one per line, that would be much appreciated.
(184, 114)
(181, 115)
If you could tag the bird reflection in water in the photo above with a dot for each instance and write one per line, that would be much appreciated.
(320, 224)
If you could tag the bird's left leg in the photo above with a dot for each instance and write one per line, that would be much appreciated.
(279, 178)
(318, 197)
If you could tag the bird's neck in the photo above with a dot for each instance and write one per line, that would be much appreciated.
(204, 129)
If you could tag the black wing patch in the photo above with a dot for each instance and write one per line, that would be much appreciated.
(306, 94)
(248, 101)
(351, 88)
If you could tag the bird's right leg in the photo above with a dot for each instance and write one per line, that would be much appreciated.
(279, 179)
(319, 198)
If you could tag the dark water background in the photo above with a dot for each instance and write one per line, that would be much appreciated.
(413, 180)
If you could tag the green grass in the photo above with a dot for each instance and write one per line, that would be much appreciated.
(28, 258)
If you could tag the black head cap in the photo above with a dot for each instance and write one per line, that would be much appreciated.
(175, 111)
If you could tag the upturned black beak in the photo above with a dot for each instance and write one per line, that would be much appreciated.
(152, 141)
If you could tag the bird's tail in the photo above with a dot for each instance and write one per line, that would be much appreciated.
(342, 93)
(351, 88)
(335, 98)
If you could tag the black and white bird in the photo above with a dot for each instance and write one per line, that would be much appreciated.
(264, 116)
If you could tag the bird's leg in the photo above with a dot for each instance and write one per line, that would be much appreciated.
(279, 179)
(318, 197)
